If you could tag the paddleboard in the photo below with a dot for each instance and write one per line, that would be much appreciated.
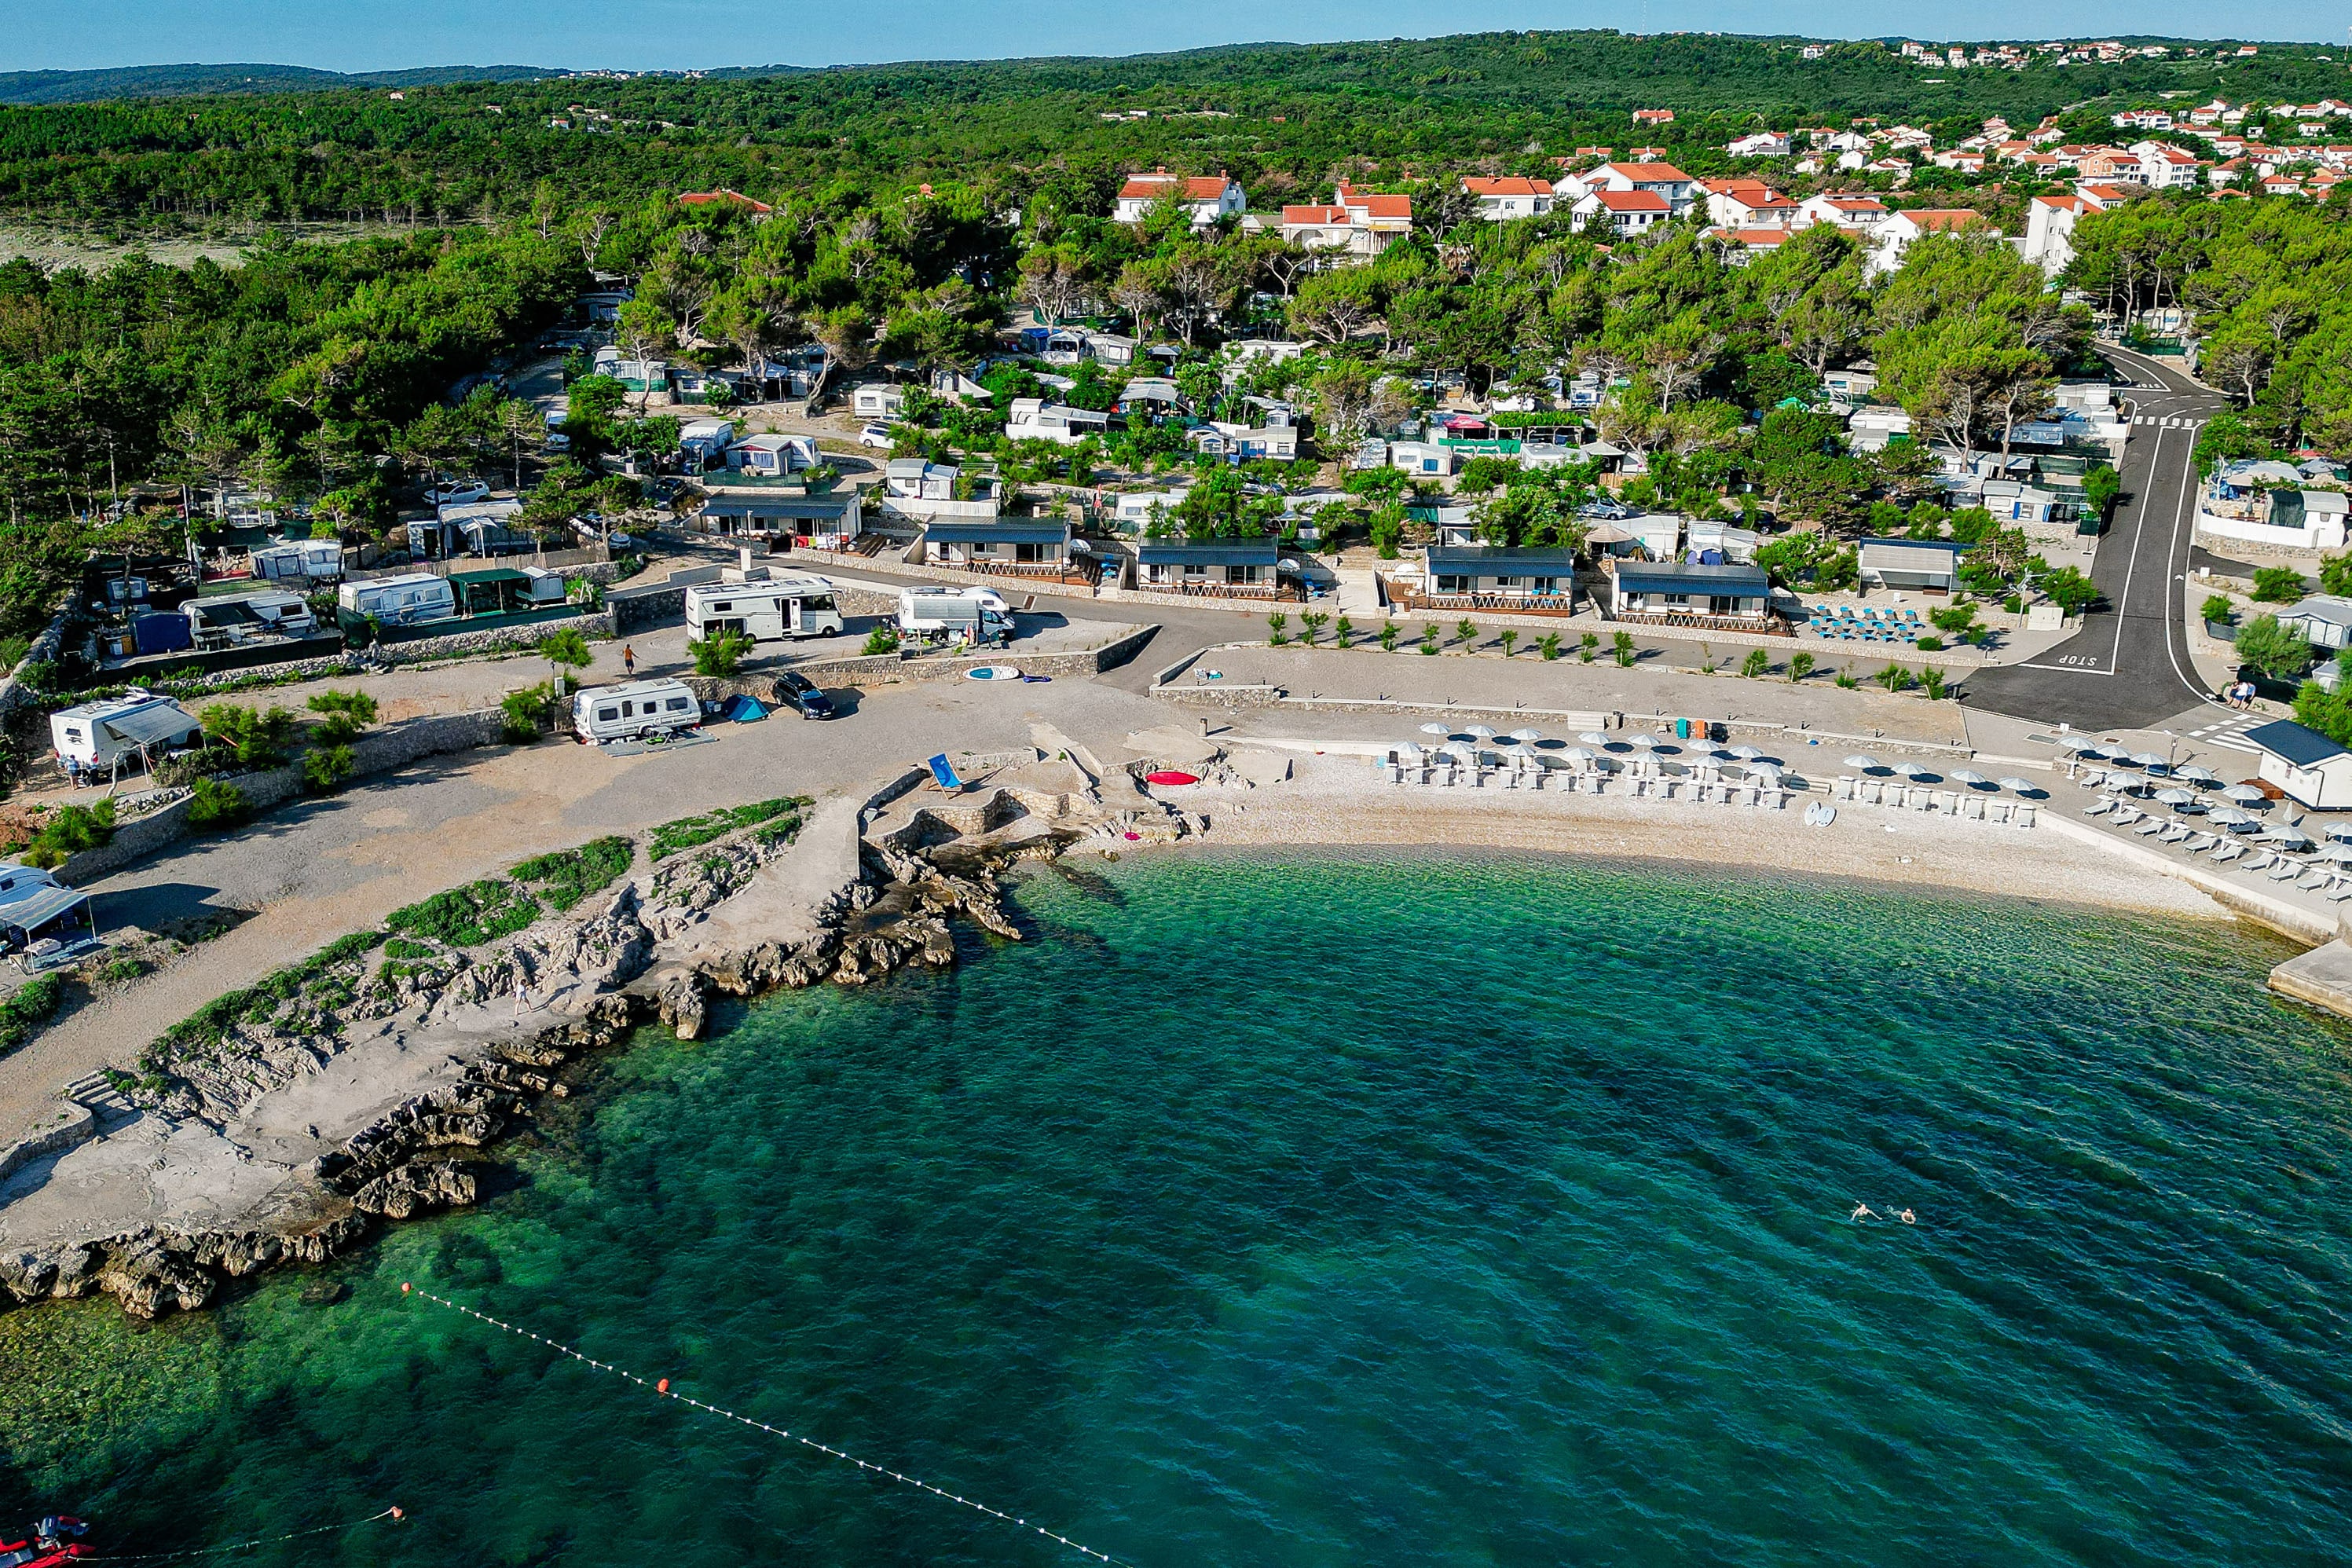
(992, 672)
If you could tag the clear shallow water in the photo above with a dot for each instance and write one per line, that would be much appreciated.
(1475, 1210)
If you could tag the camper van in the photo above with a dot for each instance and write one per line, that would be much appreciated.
(940, 615)
(401, 601)
(313, 560)
(238, 618)
(770, 609)
(634, 710)
(102, 735)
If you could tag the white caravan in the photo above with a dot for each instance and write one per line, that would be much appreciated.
(634, 710)
(769, 609)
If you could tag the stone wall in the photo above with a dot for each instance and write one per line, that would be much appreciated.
(376, 753)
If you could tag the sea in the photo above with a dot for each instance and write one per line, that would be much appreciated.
(1293, 1210)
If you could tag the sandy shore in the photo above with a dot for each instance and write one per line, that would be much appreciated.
(1337, 801)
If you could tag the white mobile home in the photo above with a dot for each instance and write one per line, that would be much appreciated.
(2305, 764)
(399, 601)
(634, 710)
(103, 734)
(314, 560)
(764, 607)
(240, 617)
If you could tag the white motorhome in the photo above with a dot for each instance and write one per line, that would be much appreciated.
(316, 560)
(104, 734)
(634, 710)
(236, 617)
(940, 615)
(768, 609)
(399, 601)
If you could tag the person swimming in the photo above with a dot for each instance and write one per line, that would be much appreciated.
(1907, 1217)
(1861, 1212)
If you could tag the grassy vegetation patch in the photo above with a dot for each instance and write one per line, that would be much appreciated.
(32, 1004)
(468, 916)
(784, 814)
(563, 879)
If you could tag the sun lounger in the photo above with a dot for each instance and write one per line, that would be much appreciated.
(2338, 893)
(2174, 832)
(2284, 870)
(2315, 882)
(2127, 815)
(2148, 824)
(2229, 852)
(2099, 808)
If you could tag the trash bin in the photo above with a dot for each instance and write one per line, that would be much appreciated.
(1682, 729)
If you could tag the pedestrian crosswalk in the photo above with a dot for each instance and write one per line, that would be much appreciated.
(2169, 422)
(2229, 733)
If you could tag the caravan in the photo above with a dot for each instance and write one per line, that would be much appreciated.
(398, 601)
(313, 560)
(102, 735)
(769, 609)
(240, 617)
(634, 711)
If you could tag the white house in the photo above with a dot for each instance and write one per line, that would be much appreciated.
(2050, 231)
(1856, 215)
(1502, 200)
(1895, 235)
(1746, 204)
(774, 456)
(2304, 764)
(1660, 179)
(2164, 168)
(1034, 419)
(1621, 212)
(1762, 144)
(1206, 198)
(1359, 224)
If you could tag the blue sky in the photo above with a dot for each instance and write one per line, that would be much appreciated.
(376, 35)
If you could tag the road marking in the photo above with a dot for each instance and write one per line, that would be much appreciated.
(2062, 669)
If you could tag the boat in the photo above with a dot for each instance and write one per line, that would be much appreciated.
(52, 1542)
(1170, 776)
(992, 672)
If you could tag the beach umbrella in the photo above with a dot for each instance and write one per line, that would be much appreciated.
(1527, 736)
(1910, 769)
(2230, 816)
(2338, 830)
(1759, 767)
(2244, 792)
(2022, 787)
(1963, 777)
(1746, 753)
(1593, 738)
(1409, 749)
(2146, 759)
(1480, 731)
(2197, 775)
(2338, 854)
(1438, 729)
(2287, 835)
(2081, 746)
(1644, 742)
(1867, 764)
(1576, 754)
(2171, 796)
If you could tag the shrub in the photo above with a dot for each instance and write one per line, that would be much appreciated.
(722, 654)
(252, 738)
(212, 802)
(526, 713)
(1344, 632)
(29, 1007)
(1894, 678)
(1429, 635)
(1930, 645)
(70, 829)
(1587, 645)
(1623, 648)
(2277, 585)
(1756, 662)
(1931, 681)
(1275, 623)
(881, 640)
(400, 947)
(563, 879)
(1548, 648)
(1389, 637)
(1800, 665)
(687, 832)
(2218, 608)
(1845, 680)
(468, 916)
(2272, 649)
(1465, 631)
(327, 769)
(1953, 618)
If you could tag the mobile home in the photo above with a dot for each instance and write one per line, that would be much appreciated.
(313, 560)
(766, 608)
(103, 734)
(238, 618)
(634, 710)
(399, 601)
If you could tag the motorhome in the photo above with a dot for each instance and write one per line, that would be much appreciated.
(398, 601)
(634, 710)
(104, 734)
(240, 617)
(940, 616)
(310, 559)
(766, 608)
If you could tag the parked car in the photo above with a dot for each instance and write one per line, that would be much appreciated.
(557, 441)
(800, 694)
(876, 435)
(1606, 510)
(457, 492)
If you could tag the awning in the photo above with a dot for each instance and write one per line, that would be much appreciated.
(32, 915)
(165, 721)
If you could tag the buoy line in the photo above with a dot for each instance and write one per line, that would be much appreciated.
(661, 1388)
(246, 1545)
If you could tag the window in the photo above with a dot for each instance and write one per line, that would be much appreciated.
(1033, 553)
(677, 703)
(722, 609)
(628, 711)
(1451, 584)
(1242, 573)
(1194, 569)
(607, 715)
(1675, 601)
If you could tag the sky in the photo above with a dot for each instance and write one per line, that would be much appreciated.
(384, 35)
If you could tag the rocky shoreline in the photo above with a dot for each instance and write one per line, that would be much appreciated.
(641, 956)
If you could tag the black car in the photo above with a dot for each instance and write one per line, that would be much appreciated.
(800, 694)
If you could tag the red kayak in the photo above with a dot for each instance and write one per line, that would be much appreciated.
(1170, 776)
(52, 1546)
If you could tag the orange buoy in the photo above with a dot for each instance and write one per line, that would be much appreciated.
(662, 1387)
(396, 1513)
(404, 1287)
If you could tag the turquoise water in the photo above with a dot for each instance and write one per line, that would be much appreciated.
(1475, 1210)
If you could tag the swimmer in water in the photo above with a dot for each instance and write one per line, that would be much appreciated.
(1907, 1217)
(1861, 1212)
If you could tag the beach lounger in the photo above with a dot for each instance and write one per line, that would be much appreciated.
(2315, 882)
(2099, 808)
(2284, 870)
(2338, 893)
(2174, 832)
(2229, 852)
(2147, 826)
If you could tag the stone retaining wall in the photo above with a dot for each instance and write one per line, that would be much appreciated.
(377, 752)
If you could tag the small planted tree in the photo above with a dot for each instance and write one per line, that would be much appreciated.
(1800, 665)
(1508, 636)
(2274, 649)
(327, 769)
(1894, 678)
(882, 640)
(1845, 680)
(1389, 637)
(1549, 646)
(722, 654)
(1931, 681)
(1276, 624)
(565, 651)
(1465, 631)
(1588, 645)
(525, 711)
(1314, 621)
(2277, 585)
(1756, 662)
(1624, 650)
(1429, 638)
(252, 739)
(1345, 632)
(2218, 609)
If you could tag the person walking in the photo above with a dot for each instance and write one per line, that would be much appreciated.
(629, 661)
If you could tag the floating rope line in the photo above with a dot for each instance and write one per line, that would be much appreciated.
(661, 1388)
(247, 1545)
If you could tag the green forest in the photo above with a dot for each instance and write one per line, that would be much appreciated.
(1283, 118)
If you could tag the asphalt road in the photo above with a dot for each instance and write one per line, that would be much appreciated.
(2128, 667)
